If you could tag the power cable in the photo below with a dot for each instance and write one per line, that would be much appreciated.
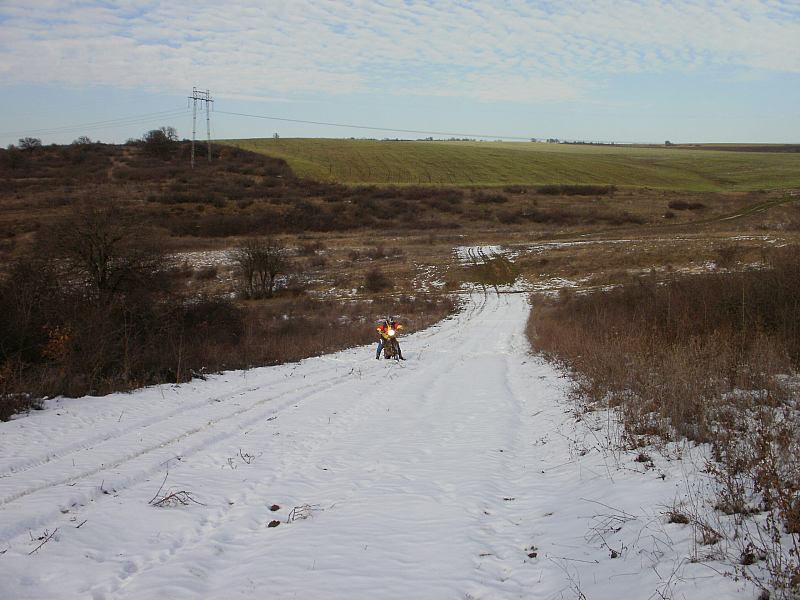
(105, 124)
(389, 129)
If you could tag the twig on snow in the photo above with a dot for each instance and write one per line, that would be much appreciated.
(302, 512)
(45, 538)
(619, 510)
(174, 498)
(160, 488)
(580, 560)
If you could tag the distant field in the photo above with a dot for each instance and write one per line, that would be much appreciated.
(524, 163)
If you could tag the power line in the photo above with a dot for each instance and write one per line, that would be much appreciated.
(205, 98)
(105, 124)
(368, 127)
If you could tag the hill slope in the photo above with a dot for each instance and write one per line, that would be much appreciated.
(504, 163)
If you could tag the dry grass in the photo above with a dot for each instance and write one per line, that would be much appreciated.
(704, 357)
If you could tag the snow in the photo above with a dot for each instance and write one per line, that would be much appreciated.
(469, 255)
(205, 258)
(463, 472)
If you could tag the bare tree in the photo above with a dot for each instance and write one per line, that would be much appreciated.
(105, 253)
(260, 261)
(30, 143)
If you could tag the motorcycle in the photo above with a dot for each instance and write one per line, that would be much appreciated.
(391, 348)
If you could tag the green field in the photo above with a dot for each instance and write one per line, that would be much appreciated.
(527, 163)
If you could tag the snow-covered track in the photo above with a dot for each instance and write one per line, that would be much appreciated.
(460, 473)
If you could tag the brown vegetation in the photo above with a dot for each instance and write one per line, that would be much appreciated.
(93, 310)
(97, 294)
(706, 357)
(93, 299)
(576, 190)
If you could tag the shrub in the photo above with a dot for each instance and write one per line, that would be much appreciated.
(515, 189)
(684, 205)
(311, 248)
(259, 262)
(160, 142)
(703, 357)
(377, 281)
(576, 190)
(486, 198)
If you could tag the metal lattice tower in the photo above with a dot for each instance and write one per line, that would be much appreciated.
(205, 100)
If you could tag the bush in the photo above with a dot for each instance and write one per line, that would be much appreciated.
(259, 262)
(376, 281)
(703, 357)
(160, 142)
(485, 198)
(515, 189)
(684, 205)
(576, 190)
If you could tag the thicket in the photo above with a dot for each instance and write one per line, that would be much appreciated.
(259, 262)
(573, 215)
(91, 309)
(709, 357)
(576, 190)
(685, 205)
(96, 305)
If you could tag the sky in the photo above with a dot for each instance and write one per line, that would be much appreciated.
(593, 70)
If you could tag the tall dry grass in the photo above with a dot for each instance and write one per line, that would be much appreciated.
(708, 357)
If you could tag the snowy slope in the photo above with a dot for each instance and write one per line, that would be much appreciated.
(461, 473)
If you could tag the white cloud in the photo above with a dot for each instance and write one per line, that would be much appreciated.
(514, 50)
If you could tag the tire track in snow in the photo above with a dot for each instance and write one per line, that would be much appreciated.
(180, 559)
(16, 467)
(404, 463)
(90, 491)
(350, 419)
(24, 483)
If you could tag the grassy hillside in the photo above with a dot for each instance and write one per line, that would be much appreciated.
(504, 163)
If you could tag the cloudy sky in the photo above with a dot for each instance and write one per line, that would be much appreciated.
(622, 70)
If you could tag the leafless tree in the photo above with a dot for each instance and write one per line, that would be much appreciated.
(30, 143)
(260, 261)
(103, 251)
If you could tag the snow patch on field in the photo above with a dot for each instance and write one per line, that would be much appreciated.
(205, 258)
(471, 255)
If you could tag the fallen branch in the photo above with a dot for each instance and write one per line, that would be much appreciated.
(160, 488)
(181, 497)
(46, 538)
(302, 512)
